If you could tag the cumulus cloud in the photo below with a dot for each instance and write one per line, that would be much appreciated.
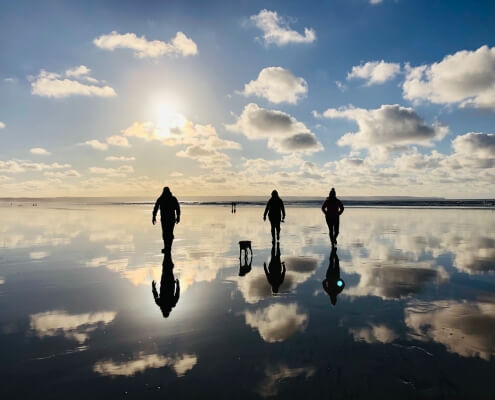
(118, 140)
(16, 166)
(49, 84)
(120, 158)
(70, 173)
(39, 151)
(374, 72)
(475, 149)
(2, 125)
(374, 334)
(389, 126)
(181, 364)
(276, 29)
(277, 322)
(202, 141)
(72, 326)
(466, 78)
(95, 144)
(78, 71)
(143, 48)
(465, 328)
(284, 133)
(277, 85)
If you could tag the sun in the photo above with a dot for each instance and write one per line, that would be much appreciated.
(168, 119)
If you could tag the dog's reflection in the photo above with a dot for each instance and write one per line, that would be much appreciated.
(333, 285)
(169, 286)
(275, 273)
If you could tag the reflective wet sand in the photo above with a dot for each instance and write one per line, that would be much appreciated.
(78, 319)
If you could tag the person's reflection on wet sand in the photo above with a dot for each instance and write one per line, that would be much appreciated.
(169, 286)
(333, 285)
(245, 268)
(275, 273)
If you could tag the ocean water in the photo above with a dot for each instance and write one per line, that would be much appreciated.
(78, 319)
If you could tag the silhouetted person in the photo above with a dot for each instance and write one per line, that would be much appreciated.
(276, 213)
(332, 208)
(333, 285)
(235, 207)
(275, 273)
(169, 215)
(169, 287)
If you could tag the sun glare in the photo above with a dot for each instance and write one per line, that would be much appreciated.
(168, 119)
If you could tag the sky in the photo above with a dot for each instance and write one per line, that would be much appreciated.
(121, 98)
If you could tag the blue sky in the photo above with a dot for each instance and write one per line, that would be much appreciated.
(121, 98)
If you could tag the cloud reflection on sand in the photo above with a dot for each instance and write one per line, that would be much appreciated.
(181, 364)
(463, 327)
(72, 326)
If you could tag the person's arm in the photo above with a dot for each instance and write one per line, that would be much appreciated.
(341, 208)
(153, 290)
(155, 210)
(283, 272)
(324, 207)
(177, 292)
(177, 211)
(283, 208)
(266, 209)
(266, 271)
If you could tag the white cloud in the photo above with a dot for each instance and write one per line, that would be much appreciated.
(119, 158)
(143, 48)
(466, 78)
(276, 29)
(15, 166)
(277, 85)
(277, 322)
(180, 364)
(374, 72)
(95, 144)
(465, 328)
(78, 71)
(389, 127)
(373, 2)
(284, 133)
(48, 84)
(39, 151)
(72, 326)
(476, 145)
(122, 171)
(2, 125)
(70, 173)
(118, 140)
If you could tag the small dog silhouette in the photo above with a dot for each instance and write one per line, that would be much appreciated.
(245, 245)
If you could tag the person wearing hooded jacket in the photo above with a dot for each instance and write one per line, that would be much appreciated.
(169, 215)
(333, 208)
(276, 214)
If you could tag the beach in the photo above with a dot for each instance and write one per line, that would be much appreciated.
(416, 318)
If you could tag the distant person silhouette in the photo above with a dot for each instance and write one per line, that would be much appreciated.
(333, 285)
(275, 273)
(169, 215)
(276, 213)
(169, 287)
(245, 268)
(332, 208)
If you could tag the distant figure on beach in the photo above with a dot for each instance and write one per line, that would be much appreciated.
(234, 204)
(276, 213)
(332, 208)
(169, 287)
(333, 285)
(169, 215)
(275, 273)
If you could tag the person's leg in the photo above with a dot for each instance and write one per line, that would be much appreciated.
(330, 229)
(336, 227)
(272, 225)
(277, 226)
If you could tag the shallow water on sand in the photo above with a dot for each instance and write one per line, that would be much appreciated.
(416, 318)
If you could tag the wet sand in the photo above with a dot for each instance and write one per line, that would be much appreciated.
(416, 318)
